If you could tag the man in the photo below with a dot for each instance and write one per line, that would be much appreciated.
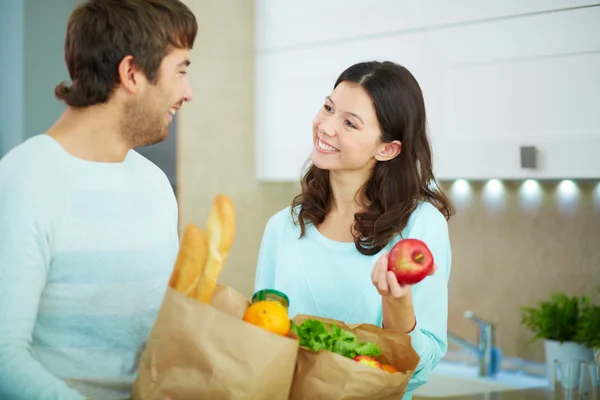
(88, 227)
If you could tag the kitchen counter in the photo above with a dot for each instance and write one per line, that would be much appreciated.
(527, 394)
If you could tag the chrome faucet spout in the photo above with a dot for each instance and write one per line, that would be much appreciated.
(463, 343)
(483, 348)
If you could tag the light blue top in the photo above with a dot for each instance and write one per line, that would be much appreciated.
(332, 279)
(86, 251)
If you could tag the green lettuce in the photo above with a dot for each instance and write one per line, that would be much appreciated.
(315, 336)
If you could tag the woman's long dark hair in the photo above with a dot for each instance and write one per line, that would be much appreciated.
(396, 186)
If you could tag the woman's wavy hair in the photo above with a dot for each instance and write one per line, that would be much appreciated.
(396, 186)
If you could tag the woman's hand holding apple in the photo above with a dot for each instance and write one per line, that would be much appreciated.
(408, 263)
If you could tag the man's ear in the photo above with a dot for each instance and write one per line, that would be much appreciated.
(388, 151)
(129, 75)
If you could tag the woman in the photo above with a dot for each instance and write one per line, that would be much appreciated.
(369, 185)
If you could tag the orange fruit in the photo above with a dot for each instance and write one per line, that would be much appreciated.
(269, 315)
(389, 368)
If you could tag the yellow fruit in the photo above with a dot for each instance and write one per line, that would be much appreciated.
(389, 368)
(370, 361)
(269, 315)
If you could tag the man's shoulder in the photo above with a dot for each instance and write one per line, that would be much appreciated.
(34, 145)
(150, 178)
(146, 167)
(31, 157)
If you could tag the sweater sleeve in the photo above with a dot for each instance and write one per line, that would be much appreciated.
(24, 261)
(430, 296)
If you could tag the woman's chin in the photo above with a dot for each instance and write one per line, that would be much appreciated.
(318, 161)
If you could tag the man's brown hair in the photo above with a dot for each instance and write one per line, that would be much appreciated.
(100, 33)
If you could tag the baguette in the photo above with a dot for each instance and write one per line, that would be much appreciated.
(190, 262)
(220, 231)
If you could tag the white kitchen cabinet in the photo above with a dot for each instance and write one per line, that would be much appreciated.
(495, 78)
(530, 81)
(288, 24)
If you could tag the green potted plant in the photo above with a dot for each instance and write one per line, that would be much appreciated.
(556, 322)
(588, 328)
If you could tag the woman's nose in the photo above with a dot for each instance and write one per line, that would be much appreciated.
(327, 128)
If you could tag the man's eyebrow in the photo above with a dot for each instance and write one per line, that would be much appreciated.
(184, 63)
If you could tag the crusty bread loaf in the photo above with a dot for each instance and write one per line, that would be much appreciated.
(220, 232)
(190, 262)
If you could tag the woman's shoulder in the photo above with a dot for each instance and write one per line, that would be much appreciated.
(427, 213)
(425, 218)
(281, 219)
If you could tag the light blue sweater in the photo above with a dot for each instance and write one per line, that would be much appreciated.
(86, 251)
(332, 279)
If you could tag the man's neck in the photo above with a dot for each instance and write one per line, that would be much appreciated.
(91, 133)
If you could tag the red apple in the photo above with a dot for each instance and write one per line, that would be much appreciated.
(370, 361)
(410, 260)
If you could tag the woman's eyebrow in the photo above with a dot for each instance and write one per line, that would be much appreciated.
(349, 113)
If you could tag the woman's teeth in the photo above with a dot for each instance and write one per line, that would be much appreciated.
(324, 146)
(172, 111)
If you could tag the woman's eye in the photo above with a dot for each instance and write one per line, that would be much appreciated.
(350, 124)
(327, 108)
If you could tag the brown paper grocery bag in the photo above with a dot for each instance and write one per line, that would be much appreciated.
(328, 376)
(198, 351)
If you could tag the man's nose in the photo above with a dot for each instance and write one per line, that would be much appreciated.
(188, 94)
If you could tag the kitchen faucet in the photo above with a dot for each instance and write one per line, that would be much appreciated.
(484, 348)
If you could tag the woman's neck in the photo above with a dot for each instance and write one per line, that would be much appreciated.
(346, 201)
(346, 190)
